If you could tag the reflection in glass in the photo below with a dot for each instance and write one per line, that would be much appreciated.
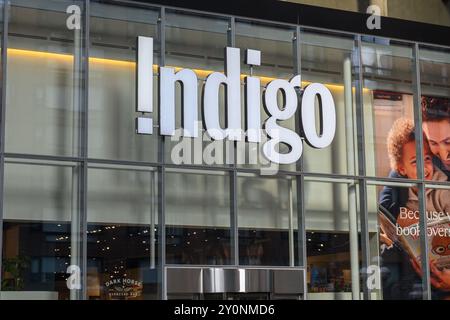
(329, 59)
(122, 234)
(112, 90)
(39, 242)
(328, 263)
(275, 44)
(435, 68)
(119, 263)
(198, 245)
(388, 73)
(277, 62)
(43, 86)
(332, 240)
(267, 211)
(198, 218)
(434, 75)
(395, 244)
(35, 259)
(438, 233)
(197, 42)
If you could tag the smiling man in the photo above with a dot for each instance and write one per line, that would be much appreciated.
(436, 128)
(436, 125)
(401, 145)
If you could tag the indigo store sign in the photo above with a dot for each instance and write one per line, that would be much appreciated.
(316, 128)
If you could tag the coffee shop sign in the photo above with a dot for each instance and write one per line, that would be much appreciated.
(317, 129)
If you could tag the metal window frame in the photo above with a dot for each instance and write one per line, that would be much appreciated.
(234, 211)
(300, 181)
(361, 164)
(161, 176)
(84, 134)
(161, 165)
(4, 56)
(426, 288)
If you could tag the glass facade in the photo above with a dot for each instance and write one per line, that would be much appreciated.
(92, 210)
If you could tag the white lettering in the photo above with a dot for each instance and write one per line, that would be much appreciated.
(278, 133)
(188, 80)
(233, 99)
(284, 146)
(327, 116)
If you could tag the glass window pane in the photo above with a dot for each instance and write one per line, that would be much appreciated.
(122, 234)
(43, 86)
(438, 233)
(275, 44)
(39, 242)
(267, 209)
(328, 208)
(435, 86)
(198, 218)
(329, 59)
(395, 246)
(388, 106)
(196, 42)
(112, 88)
(277, 62)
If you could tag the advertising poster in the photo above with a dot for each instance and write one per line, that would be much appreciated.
(398, 206)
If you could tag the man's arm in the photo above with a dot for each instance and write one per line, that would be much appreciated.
(390, 197)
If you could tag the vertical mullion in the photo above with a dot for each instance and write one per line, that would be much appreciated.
(300, 182)
(420, 175)
(364, 215)
(231, 36)
(153, 189)
(162, 173)
(234, 218)
(351, 187)
(78, 233)
(231, 42)
(291, 223)
(84, 144)
(4, 51)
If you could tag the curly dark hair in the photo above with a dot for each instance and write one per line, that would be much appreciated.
(435, 109)
(401, 133)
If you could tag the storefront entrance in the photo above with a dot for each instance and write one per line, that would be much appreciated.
(235, 283)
